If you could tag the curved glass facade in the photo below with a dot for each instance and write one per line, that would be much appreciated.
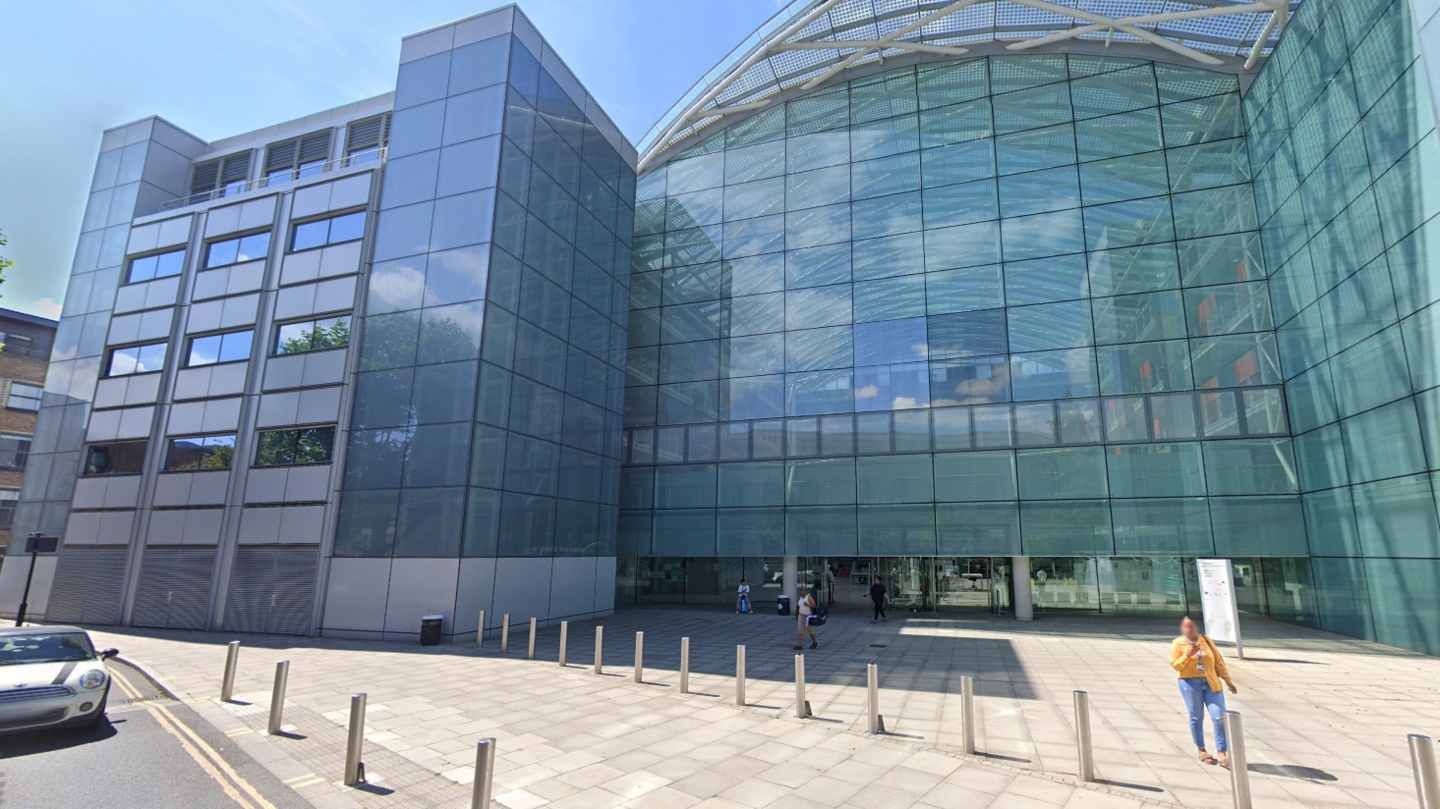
(1007, 305)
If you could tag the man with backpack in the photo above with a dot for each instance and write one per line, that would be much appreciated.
(806, 614)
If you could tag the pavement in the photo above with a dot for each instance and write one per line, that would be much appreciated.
(1326, 716)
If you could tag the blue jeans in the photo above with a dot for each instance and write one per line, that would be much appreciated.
(1199, 699)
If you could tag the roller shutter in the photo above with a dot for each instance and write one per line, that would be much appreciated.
(272, 589)
(174, 588)
(87, 586)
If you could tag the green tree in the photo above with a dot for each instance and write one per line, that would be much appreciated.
(5, 263)
(333, 333)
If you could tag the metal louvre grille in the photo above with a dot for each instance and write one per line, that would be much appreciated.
(235, 168)
(87, 586)
(272, 589)
(315, 146)
(280, 156)
(367, 133)
(174, 588)
(204, 177)
(222, 171)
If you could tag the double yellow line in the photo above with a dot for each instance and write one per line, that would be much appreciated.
(204, 755)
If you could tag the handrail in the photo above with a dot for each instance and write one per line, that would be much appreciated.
(376, 155)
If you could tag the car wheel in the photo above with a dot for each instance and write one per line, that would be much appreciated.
(98, 718)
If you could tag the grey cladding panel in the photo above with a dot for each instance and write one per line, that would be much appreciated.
(272, 589)
(87, 586)
(174, 590)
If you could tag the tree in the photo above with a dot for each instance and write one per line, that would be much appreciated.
(5, 263)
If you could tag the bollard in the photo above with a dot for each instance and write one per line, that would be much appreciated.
(684, 665)
(1239, 775)
(739, 675)
(967, 711)
(505, 634)
(872, 676)
(802, 705)
(1422, 758)
(277, 697)
(480, 633)
(232, 660)
(639, 657)
(1086, 760)
(530, 655)
(599, 637)
(484, 773)
(354, 767)
(564, 635)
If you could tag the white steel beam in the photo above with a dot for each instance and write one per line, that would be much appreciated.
(888, 38)
(1143, 19)
(871, 45)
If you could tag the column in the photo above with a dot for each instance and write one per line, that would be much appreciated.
(1020, 574)
(790, 580)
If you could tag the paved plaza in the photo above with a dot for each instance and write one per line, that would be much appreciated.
(1326, 716)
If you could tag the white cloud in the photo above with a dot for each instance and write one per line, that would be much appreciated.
(867, 392)
(45, 307)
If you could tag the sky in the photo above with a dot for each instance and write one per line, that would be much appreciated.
(73, 68)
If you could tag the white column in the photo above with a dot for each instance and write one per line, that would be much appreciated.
(1020, 575)
(790, 581)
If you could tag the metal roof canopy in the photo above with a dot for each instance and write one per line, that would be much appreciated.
(811, 42)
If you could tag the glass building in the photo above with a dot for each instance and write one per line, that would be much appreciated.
(1023, 310)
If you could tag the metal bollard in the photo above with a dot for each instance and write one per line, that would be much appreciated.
(684, 665)
(564, 635)
(599, 638)
(354, 767)
(1239, 775)
(739, 675)
(802, 705)
(639, 657)
(967, 711)
(872, 676)
(505, 635)
(1086, 754)
(484, 773)
(277, 697)
(232, 660)
(530, 655)
(480, 633)
(1422, 759)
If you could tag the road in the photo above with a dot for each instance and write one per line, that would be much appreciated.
(154, 752)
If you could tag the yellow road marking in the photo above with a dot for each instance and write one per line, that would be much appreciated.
(238, 732)
(300, 778)
(210, 760)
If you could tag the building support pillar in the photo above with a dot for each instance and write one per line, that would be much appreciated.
(790, 580)
(1020, 575)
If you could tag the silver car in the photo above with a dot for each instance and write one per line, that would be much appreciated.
(51, 676)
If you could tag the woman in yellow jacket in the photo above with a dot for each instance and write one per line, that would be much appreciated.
(1201, 668)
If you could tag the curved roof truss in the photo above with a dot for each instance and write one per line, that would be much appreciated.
(810, 42)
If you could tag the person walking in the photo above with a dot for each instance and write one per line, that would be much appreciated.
(803, 613)
(1201, 669)
(879, 597)
(742, 599)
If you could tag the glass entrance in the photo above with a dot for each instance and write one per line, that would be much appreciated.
(963, 583)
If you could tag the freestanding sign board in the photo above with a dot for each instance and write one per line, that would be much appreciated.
(1217, 599)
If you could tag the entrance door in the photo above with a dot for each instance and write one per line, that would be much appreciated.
(963, 583)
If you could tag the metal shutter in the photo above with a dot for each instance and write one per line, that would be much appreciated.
(87, 586)
(367, 133)
(174, 589)
(280, 156)
(204, 177)
(315, 146)
(272, 589)
(235, 168)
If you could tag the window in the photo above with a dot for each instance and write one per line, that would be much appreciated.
(313, 335)
(201, 452)
(234, 251)
(119, 458)
(284, 447)
(320, 232)
(24, 397)
(366, 137)
(141, 359)
(212, 348)
(291, 159)
(220, 177)
(160, 265)
(8, 499)
(14, 450)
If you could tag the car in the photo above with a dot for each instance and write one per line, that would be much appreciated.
(51, 676)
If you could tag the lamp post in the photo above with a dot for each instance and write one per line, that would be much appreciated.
(35, 544)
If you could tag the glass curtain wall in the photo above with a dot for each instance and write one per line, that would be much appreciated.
(974, 308)
(487, 411)
(1346, 159)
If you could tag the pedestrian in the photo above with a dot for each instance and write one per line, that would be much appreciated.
(879, 597)
(803, 613)
(742, 599)
(1201, 670)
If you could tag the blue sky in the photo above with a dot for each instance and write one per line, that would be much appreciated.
(76, 67)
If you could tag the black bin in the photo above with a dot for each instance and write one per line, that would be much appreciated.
(430, 627)
(782, 605)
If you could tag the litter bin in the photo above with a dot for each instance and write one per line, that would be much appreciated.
(782, 605)
(430, 627)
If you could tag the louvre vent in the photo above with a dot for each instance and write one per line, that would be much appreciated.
(272, 589)
(174, 589)
(87, 586)
(287, 155)
(367, 133)
(220, 172)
